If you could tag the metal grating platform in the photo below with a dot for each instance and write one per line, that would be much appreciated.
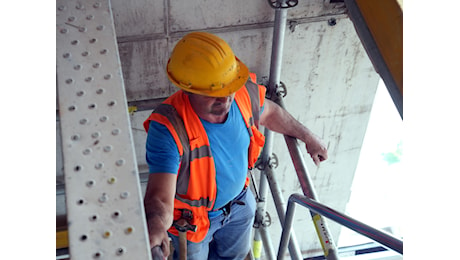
(105, 212)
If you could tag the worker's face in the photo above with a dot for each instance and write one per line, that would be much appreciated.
(217, 106)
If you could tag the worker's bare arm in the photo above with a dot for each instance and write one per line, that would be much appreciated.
(159, 205)
(279, 120)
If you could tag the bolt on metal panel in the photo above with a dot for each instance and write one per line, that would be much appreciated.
(105, 212)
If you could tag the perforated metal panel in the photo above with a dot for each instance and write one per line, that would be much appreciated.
(103, 197)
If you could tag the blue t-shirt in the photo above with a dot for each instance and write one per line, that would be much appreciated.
(229, 142)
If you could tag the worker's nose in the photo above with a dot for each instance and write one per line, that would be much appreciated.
(223, 99)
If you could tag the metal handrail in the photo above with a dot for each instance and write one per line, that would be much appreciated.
(379, 236)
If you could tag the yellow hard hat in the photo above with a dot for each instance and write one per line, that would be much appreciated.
(204, 64)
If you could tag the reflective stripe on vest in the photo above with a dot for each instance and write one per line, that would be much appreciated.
(187, 156)
(183, 176)
(253, 91)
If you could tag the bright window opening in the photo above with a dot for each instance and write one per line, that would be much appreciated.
(377, 190)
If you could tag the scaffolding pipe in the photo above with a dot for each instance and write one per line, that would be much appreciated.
(383, 238)
(294, 249)
(274, 79)
(277, 49)
(261, 233)
(267, 242)
(327, 243)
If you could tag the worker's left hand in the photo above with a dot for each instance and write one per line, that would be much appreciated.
(316, 148)
(157, 253)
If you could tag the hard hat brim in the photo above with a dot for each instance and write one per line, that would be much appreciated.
(221, 91)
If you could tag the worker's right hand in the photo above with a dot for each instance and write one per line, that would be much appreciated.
(316, 148)
(160, 239)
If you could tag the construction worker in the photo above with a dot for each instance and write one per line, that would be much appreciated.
(201, 142)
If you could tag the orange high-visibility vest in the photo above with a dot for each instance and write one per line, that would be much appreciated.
(196, 179)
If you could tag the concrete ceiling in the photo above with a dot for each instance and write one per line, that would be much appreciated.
(330, 82)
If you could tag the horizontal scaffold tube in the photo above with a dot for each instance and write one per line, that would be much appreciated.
(353, 224)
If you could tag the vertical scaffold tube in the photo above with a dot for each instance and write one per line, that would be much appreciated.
(277, 49)
(275, 69)
(274, 79)
(261, 233)
(294, 249)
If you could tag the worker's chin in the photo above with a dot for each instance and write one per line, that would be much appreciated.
(219, 112)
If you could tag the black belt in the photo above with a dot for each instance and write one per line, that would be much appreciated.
(226, 208)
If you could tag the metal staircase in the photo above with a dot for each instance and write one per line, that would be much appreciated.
(105, 214)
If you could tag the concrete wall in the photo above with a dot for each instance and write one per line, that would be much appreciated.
(330, 82)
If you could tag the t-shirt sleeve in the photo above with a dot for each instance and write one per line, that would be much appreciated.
(162, 154)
